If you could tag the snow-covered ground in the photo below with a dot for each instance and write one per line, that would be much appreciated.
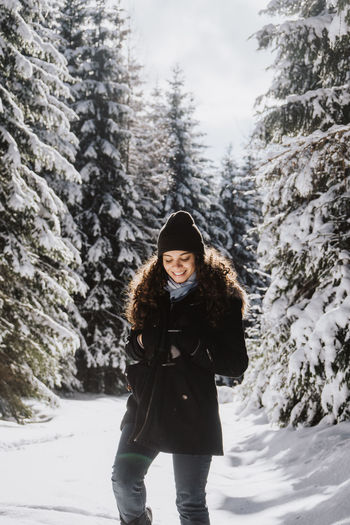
(57, 472)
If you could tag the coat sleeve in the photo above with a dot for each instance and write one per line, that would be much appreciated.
(223, 349)
(133, 349)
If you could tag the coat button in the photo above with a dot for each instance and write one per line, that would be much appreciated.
(184, 396)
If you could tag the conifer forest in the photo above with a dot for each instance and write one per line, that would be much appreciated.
(91, 166)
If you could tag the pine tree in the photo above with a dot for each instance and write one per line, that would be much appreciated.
(219, 226)
(236, 216)
(304, 372)
(187, 185)
(107, 213)
(60, 136)
(36, 276)
(156, 110)
(221, 205)
(247, 215)
(144, 161)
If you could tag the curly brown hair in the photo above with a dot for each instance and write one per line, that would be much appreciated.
(217, 283)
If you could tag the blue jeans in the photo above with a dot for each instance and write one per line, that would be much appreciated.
(130, 467)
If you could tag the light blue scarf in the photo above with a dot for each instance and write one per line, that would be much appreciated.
(180, 290)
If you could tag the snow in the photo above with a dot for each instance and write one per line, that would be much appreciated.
(99, 249)
(315, 23)
(225, 394)
(23, 66)
(338, 28)
(303, 322)
(114, 209)
(125, 233)
(57, 471)
(126, 255)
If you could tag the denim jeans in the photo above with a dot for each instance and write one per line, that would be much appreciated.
(130, 467)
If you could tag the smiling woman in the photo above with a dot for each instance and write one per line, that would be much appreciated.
(179, 265)
(185, 309)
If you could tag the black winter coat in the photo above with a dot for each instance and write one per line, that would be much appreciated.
(173, 404)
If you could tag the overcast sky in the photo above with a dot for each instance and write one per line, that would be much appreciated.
(223, 70)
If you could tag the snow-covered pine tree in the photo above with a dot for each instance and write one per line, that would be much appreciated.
(305, 373)
(156, 110)
(222, 205)
(236, 215)
(233, 219)
(187, 182)
(218, 227)
(107, 212)
(247, 215)
(144, 162)
(36, 276)
(59, 135)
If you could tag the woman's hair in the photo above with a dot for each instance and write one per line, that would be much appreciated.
(217, 283)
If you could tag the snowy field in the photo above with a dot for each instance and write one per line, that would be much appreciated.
(57, 472)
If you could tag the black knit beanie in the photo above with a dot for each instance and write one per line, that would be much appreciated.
(180, 233)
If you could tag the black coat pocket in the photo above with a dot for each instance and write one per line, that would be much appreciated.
(138, 376)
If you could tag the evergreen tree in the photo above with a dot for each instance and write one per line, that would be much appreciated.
(36, 276)
(247, 215)
(144, 162)
(236, 216)
(228, 235)
(70, 21)
(219, 227)
(303, 375)
(156, 111)
(107, 212)
(66, 143)
(187, 185)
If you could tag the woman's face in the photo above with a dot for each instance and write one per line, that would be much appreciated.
(179, 265)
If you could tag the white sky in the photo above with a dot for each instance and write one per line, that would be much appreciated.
(223, 70)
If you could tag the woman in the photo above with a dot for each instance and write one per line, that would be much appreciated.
(185, 309)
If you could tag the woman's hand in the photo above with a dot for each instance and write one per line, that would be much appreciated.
(148, 341)
(186, 340)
